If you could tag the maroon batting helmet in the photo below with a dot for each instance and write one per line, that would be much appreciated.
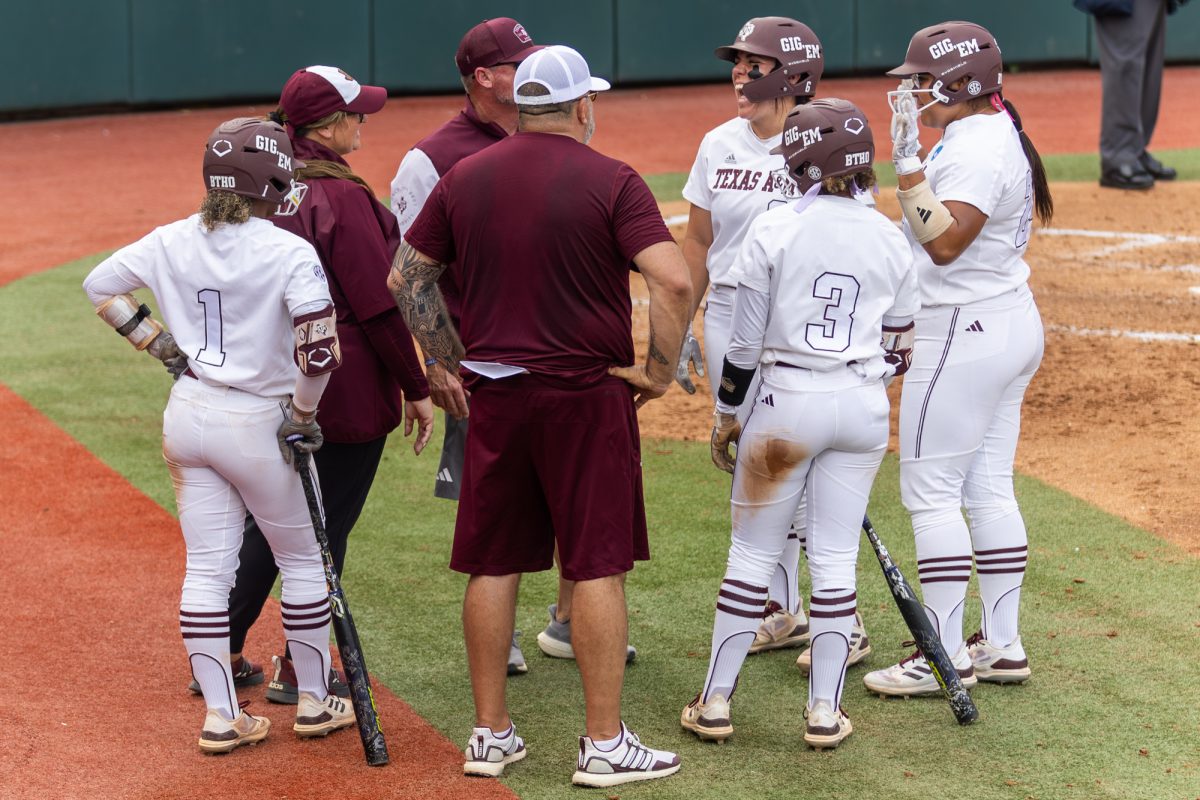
(824, 139)
(251, 157)
(951, 51)
(791, 43)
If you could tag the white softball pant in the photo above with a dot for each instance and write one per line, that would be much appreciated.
(819, 434)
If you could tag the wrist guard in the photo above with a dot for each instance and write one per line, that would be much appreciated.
(735, 383)
(130, 319)
(926, 215)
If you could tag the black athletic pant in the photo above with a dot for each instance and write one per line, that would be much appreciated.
(345, 473)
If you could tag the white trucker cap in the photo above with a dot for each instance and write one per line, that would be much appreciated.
(562, 71)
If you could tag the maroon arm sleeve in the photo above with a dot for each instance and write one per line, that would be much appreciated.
(393, 343)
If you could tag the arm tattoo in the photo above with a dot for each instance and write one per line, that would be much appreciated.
(655, 353)
(413, 282)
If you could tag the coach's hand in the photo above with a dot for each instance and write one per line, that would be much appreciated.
(446, 391)
(645, 387)
(725, 433)
(691, 353)
(298, 423)
(420, 412)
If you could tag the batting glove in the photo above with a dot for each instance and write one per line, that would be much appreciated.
(299, 430)
(165, 350)
(905, 129)
(692, 353)
(726, 432)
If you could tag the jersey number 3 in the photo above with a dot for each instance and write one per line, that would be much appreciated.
(213, 352)
(833, 335)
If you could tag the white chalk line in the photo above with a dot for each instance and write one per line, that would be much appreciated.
(1113, 333)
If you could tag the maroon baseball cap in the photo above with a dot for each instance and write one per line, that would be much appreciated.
(315, 92)
(502, 40)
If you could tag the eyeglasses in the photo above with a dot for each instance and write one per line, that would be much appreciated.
(592, 96)
(361, 118)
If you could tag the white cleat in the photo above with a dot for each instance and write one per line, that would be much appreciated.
(321, 717)
(780, 629)
(913, 676)
(826, 728)
(710, 721)
(998, 664)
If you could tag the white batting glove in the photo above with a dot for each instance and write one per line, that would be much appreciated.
(905, 128)
(725, 433)
(691, 353)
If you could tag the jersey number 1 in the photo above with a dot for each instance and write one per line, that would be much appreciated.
(213, 352)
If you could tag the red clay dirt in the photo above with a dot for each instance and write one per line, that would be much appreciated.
(99, 709)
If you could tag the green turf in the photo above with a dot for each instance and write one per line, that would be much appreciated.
(1064, 167)
(1111, 619)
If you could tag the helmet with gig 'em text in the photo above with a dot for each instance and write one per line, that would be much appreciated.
(791, 43)
(824, 139)
(950, 52)
(251, 157)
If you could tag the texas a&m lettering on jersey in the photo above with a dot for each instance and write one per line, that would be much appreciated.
(776, 181)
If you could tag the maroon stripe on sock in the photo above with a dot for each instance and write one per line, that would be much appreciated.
(222, 624)
(749, 587)
(833, 600)
(183, 613)
(737, 598)
(947, 579)
(221, 635)
(311, 627)
(792, 536)
(313, 615)
(845, 612)
(294, 607)
(954, 568)
(738, 612)
(1000, 571)
(991, 562)
(942, 560)
(1020, 549)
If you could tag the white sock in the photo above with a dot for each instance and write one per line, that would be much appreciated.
(944, 567)
(306, 626)
(784, 588)
(831, 617)
(739, 611)
(206, 637)
(608, 745)
(1001, 551)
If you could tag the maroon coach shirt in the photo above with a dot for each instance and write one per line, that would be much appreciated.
(540, 230)
(356, 238)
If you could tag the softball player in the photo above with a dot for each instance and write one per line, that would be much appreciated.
(819, 281)
(968, 208)
(243, 299)
(777, 63)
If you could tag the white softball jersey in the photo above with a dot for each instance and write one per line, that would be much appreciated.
(979, 160)
(228, 296)
(735, 178)
(833, 270)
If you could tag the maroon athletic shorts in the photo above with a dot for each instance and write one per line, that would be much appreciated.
(544, 465)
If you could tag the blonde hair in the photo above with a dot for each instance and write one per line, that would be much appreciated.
(224, 208)
(863, 180)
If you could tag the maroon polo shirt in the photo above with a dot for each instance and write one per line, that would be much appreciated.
(464, 135)
(541, 230)
(356, 237)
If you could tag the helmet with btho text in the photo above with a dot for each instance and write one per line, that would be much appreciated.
(824, 139)
(251, 157)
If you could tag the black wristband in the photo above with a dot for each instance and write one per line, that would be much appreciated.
(735, 382)
(142, 312)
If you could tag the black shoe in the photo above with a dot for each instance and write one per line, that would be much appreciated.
(245, 673)
(1126, 176)
(1157, 169)
(282, 688)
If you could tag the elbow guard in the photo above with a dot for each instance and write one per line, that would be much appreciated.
(130, 319)
(897, 346)
(735, 382)
(926, 215)
(317, 347)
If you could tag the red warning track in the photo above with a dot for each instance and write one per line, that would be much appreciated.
(95, 704)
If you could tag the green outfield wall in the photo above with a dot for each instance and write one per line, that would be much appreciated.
(64, 54)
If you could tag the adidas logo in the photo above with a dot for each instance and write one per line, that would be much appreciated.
(975, 327)
(729, 159)
(444, 475)
(924, 214)
(769, 400)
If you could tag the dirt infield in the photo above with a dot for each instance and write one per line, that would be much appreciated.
(1108, 419)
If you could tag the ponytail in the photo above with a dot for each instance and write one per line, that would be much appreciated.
(1043, 202)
